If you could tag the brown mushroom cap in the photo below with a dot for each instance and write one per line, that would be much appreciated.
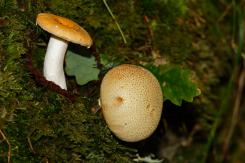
(64, 28)
(131, 100)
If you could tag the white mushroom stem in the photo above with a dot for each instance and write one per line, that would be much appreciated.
(54, 60)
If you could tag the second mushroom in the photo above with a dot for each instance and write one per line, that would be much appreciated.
(62, 32)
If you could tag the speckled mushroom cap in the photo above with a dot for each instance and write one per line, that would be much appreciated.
(64, 28)
(131, 100)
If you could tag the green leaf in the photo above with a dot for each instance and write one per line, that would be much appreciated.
(83, 68)
(176, 83)
(109, 61)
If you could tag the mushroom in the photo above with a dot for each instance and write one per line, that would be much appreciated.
(62, 31)
(131, 101)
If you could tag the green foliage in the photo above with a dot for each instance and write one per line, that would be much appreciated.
(163, 7)
(83, 68)
(176, 83)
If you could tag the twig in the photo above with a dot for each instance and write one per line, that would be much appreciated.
(9, 145)
(220, 113)
(30, 145)
(217, 121)
(235, 115)
(227, 10)
(114, 18)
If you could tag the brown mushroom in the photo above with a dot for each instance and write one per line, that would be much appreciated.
(131, 100)
(63, 31)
